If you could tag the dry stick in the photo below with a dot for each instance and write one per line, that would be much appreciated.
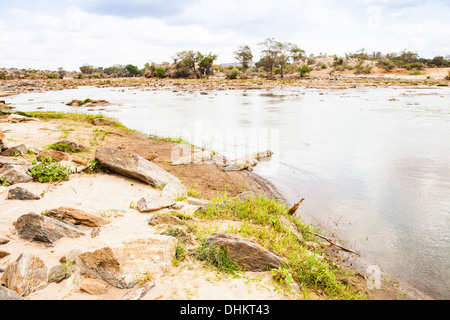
(295, 207)
(333, 243)
(294, 210)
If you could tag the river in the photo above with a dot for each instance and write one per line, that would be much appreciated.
(373, 164)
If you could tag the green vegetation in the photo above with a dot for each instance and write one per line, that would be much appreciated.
(63, 148)
(49, 170)
(259, 217)
(218, 257)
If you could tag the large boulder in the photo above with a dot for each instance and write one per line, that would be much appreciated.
(34, 227)
(123, 267)
(76, 217)
(26, 275)
(246, 253)
(134, 166)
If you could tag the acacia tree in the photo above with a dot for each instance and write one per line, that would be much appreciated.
(287, 51)
(206, 63)
(269, 53)
(275, 53)
(244, 56)
(188, 60)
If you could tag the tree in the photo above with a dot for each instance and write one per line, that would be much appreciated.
(187, 61)
(269, 54)
(275, 53)
(206, 62)
(287, 51)
(244, 56)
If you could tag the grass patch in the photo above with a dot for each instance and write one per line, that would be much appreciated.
(63, 148)
(218, 257)
(261, 223)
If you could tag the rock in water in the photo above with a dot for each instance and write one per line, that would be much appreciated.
(134, 166)
(26, 275)
(34, 227)
(21, 194)
(76, 217)
(246, 253)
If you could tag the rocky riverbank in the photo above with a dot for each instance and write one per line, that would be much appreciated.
(115, 218)
(317, 79)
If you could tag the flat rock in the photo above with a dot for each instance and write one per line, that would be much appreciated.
(34, 227)
(76, 217)
(16, 118)
(138, 293)
(134, 166)
(150, 204)
(94, 287)
(26, 275)
(246, 253)
(13, 161)
(19, 193)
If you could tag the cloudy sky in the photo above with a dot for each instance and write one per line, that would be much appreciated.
(47, 34)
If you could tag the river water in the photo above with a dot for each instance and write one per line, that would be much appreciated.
(373, 164)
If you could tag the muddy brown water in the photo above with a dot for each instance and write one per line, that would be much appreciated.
(373, 164)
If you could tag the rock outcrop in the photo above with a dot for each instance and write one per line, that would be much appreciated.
(14, 174)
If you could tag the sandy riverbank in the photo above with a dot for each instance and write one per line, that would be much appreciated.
(112, 196)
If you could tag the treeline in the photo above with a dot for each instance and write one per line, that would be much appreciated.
(277, 59)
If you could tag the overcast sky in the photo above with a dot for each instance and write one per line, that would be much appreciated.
(47, 34)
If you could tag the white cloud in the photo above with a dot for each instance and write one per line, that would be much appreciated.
(74, 32)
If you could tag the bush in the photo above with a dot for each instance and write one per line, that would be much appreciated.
(233, 74)
(324, 66)
(303, 70)
(160, 72)
(50, 170)
(415, 73)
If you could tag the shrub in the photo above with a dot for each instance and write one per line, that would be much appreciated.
(63, 148)
(415, 73)
(50, 170)
(448, 76)
(233, 74)
(303, 70)
(160, 72)
(324, 66)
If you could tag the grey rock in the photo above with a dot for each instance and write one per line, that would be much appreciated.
(138, 293)
(134, 166)
(59, 273)
(34, 227)
(150, 204)
(246, 253)
(19, 193)
(165, 219)
(14, 174)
